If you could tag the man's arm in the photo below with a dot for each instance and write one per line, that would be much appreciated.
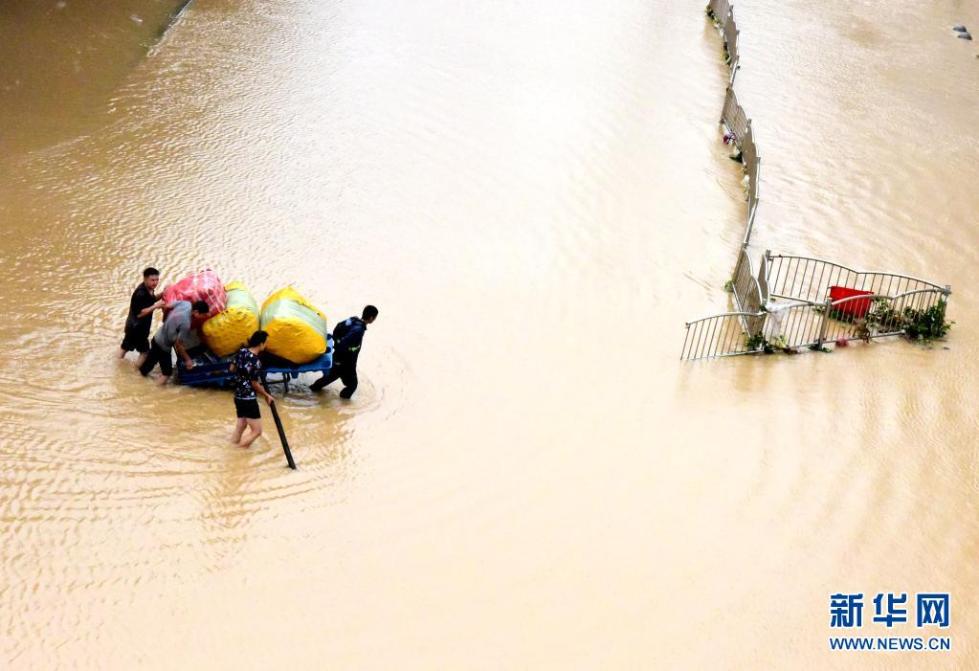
(146, 311)
(182, 353)
(259, 389)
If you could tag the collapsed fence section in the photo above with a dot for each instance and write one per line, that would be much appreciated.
(746, 288)
(718, 336)
(731, 333)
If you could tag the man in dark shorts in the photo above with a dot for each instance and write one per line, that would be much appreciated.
(347, 339)
(247, 368)
(141, 307)
(171, 335)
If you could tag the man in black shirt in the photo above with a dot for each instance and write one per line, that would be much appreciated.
(347, 338)
(140, 319)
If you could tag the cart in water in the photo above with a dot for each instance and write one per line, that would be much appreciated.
(213, 371)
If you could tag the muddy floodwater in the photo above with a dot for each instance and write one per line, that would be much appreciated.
(536, 197)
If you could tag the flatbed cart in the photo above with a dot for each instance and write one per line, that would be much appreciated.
(212, 371)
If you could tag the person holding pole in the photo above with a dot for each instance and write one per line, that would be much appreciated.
(247, 368)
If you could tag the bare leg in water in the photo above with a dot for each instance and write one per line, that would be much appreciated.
(239, 429)
(255, 426)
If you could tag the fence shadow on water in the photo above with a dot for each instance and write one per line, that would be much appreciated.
(795, 301)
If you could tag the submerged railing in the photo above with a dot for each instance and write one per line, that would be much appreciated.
(747, 293)
(738, 132)
(806, 278)
(718, 335)
(796, 301)
(793, 325)
(719, 10)
(734, 117)
(798, 324)
(730, 30)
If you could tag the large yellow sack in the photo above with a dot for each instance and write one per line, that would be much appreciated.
(297, 330)
(230, 329)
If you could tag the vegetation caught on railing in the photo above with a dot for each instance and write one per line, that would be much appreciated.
(928, 324)
(759, 343)
(925, 325)
(922, 324)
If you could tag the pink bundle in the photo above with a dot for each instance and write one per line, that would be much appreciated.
(203, 286)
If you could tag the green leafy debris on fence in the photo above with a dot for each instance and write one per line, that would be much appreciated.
(924, 325)
(928, 324)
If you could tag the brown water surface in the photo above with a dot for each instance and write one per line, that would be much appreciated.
(536, 197)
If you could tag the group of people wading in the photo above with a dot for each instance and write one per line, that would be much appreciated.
(174, 334)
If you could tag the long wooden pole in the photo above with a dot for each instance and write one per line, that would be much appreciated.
(282, 437)
(282, 432)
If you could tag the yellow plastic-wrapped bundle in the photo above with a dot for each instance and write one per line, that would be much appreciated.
(231, 328)
(297, 330)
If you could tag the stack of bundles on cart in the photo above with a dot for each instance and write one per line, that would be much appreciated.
(230, 329)
(297, 330)
(203, 286)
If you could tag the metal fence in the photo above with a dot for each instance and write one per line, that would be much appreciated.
(738, 124)
(747, 292)
(719, 10)
(808, 279)
(722, 13)
(717, 336)
(734, 118)
(752, 166)
(730, 32)
(886, 316)
(733, 115)
(789, 303)
(730, 333)
(798, 324)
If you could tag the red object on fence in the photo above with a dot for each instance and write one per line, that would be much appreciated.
(203, 286)
(858, 308)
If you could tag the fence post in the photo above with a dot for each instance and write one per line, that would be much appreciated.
(825, 323)
(763, 280)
